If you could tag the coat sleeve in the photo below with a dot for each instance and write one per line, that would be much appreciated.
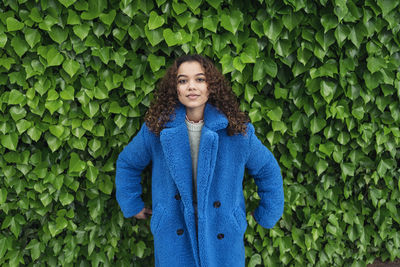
(266, 172)
(130, 164)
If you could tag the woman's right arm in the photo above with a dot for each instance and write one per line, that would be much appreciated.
(130, 164)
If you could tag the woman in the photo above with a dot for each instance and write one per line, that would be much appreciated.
(199, 143)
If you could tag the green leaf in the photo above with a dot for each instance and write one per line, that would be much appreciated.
(108, 18)
(17, 113)
(317, 124)
(259, 70)
(179, 8)
(327, 148)
(13, 24)
(32, 37)
(53, 142)
(139, 249)
(272, 28)
(292, 20)
(53, 106)
(3, 196)
(56, 130)
(154, 36)
(257, 27)
(329, 21)
(328, 90)
(81, 30)
(10, 141)
(210, 23)
(71, 67)
(35, 247)
(193, 4)
(171, 38)
(34, 133)
(348, 169)
(375, 64)
(91, 109)
(214, 3)
(67, 93)
(23, 125)
(35, 15)
(321, 166)
(155, 21)
(275, 114)
(342, 32)
(58, 34)
(76, 164)
(54, 58)
(255, 260)
(156, 62)
(387, 5)
(3, 40)
(65, 199)
(67, 3)
(271, 68)
(232, 20)
(19, 45)
(15, 97)
(238, 64)
(255, 115)
(325, 39)
(92, 173)
(73, 18)
(249, 92)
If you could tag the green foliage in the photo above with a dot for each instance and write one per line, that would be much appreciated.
(319, 79)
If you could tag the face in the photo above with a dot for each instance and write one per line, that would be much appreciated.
(192, 86)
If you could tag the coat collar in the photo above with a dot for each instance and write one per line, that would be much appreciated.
(213, 118)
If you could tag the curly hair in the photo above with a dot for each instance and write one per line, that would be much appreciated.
(220, 96)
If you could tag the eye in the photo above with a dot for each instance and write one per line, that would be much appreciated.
(201, 80)
(181, 81)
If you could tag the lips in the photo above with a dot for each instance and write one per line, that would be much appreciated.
(192, 96)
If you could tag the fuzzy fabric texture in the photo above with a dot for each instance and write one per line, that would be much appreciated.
(222, 160)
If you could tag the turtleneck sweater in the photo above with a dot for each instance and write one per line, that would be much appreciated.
(194, 132)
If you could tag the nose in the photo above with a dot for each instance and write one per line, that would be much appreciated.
(191, 85)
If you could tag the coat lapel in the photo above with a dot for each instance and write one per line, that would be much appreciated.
(208, 149)
(176, 147)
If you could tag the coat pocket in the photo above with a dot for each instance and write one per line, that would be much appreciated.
(240, 219)
(158, 214)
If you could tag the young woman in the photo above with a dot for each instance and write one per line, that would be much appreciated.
(199, 144)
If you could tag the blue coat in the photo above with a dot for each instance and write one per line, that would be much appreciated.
(221, 208)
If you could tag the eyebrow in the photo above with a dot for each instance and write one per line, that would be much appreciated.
(183, 75)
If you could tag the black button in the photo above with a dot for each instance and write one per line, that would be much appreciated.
(179, 231)
(217, 204)
(220, 236)
(178, 197)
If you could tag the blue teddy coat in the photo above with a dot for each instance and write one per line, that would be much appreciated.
(221, 208)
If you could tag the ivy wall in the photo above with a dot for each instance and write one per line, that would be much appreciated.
(319, 79)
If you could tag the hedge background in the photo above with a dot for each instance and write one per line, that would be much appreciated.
(320, 80)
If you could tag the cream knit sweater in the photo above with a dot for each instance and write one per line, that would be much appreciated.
(194, 132)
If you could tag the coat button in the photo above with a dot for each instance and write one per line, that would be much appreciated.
(220, 236)
(217, 204)
(179, 231)
(178, 197)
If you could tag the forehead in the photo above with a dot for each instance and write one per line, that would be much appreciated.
(190, 68)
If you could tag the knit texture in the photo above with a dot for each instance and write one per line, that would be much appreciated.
(222, 160)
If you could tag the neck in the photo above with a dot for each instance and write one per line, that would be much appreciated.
(195, 115)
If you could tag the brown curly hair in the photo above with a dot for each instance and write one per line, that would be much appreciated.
(220, 96)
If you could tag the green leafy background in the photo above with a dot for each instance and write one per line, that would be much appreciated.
(319, 79)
